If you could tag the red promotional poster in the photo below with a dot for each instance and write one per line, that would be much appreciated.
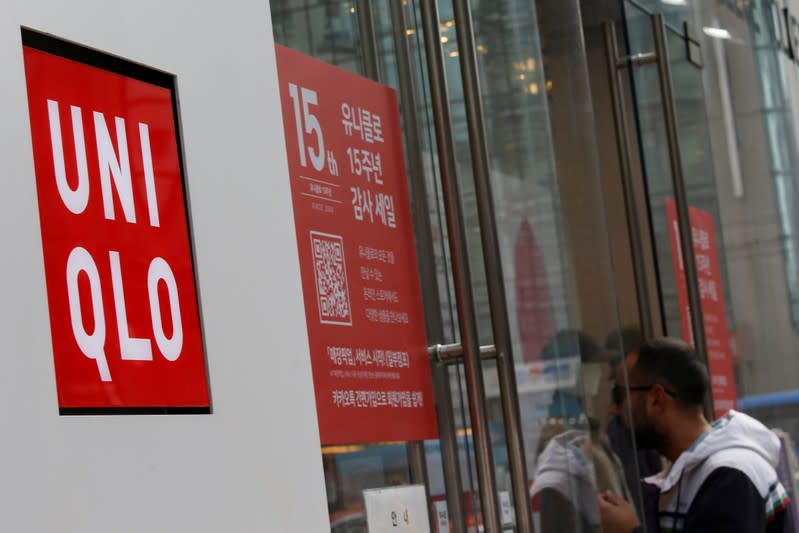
(117, 254)
(357, 254)
(711, 288)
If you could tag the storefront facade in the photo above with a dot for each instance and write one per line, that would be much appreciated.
(565, 177)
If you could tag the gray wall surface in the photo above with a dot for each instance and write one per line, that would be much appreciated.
(254, 464)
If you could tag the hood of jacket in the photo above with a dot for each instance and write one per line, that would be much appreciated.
(566, 454)
(733, 431)
(565, 466)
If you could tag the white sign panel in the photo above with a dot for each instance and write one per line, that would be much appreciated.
(506, 508)
(244, 220)
(442, 517)
(539, 376)
(397, 509)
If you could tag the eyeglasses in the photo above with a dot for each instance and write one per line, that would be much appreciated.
(619, 392)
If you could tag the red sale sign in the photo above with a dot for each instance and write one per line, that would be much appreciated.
(708, 271)
(357, 255)
(117, 255)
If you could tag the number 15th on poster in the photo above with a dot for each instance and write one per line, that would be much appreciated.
(303, 99)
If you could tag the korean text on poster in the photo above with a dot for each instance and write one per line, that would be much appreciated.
(357, 254)
(711, 289)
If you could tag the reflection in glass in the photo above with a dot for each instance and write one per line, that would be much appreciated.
(750, 84)
(575, 459)
(554, 244)
(553, 273)
(737, 121)
(349, 470)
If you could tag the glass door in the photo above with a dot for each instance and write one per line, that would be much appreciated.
(665, 67)
(359, 37)
(686, 164)
(514, 257)
(522, 150)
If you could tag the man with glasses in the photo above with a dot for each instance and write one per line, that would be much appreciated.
(720, 477)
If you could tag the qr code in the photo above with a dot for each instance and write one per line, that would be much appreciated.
(332, 292)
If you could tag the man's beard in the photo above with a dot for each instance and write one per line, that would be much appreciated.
(647, 437)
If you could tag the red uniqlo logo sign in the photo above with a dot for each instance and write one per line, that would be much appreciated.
(117, 255)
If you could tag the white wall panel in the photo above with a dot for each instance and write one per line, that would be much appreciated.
(254, 464)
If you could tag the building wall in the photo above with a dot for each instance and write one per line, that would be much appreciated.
(755, 130)
(252, 465)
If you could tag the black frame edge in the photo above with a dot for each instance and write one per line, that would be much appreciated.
(96, 58)
(99, 411)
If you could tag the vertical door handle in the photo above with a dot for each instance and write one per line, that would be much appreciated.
(625, 164)
(678, 181)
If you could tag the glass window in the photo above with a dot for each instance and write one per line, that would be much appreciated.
(559, 280)
(737, 121)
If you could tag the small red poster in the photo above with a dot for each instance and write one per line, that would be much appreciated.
(117, 255)
(357, 254)
(711, 288)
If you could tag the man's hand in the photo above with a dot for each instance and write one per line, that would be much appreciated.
(617, 514)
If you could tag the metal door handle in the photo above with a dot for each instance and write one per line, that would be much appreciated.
(625, 163)
(661, 59)
(678, 182)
